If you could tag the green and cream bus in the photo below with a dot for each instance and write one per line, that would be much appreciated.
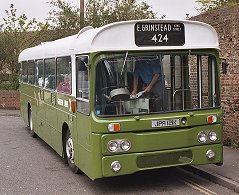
(76, 95)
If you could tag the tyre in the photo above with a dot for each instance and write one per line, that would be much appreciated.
(33, 134)
(69, 150)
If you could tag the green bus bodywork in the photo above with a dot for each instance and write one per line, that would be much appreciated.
(151, 148)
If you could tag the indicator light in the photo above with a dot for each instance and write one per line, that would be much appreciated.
(212, 119)
(114, 127)
(72, 108)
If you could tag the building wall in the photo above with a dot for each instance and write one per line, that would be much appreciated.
(226, 23)
(9, 99)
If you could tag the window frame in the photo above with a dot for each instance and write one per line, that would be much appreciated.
(80, 99)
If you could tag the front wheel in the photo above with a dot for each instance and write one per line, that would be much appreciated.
(69, 146)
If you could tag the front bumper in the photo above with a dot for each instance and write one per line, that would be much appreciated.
(131, 163)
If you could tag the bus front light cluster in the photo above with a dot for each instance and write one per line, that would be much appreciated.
(204, 137)
(119, 145)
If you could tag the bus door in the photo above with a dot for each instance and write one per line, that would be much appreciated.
(40, 97)
(50, 98)
(83, 104)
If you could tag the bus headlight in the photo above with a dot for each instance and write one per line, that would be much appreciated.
(116, 166)
(113, 146)
(212, 136)
(202, 137)
(210, 154)
(125, 145)
(119, 145)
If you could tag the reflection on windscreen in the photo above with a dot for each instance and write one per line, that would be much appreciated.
(156, 83)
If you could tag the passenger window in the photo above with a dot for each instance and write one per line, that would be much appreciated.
(50, 71)
(24, 72)
(64, 74)
(31, 72)
(39, 73)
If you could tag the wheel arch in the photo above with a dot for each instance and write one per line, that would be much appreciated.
(65, 128)
(28, 113)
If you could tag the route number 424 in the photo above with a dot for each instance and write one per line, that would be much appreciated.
(160, 38)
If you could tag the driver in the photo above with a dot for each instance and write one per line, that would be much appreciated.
(149, 71)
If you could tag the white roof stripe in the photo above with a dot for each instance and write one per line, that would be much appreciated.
(120, 36)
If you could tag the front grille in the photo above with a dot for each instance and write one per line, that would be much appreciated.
(164, 159)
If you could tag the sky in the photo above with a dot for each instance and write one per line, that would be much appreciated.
(173, 9)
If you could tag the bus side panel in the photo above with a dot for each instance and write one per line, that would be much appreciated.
(64, 116)
(28, 97)
(88, 148)
(23, 103)
(40, 121)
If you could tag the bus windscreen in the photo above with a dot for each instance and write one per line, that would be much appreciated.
(155, 83)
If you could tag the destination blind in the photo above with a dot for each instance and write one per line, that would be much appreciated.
(159, 34)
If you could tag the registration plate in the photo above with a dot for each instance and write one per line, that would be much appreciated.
(165, 123)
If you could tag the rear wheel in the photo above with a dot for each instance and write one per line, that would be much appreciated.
(69, 148)
(34, 135)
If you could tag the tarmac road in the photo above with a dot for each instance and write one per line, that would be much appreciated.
(30, 166)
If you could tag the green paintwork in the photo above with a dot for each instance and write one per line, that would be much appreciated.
(90, 133)
(129, 166)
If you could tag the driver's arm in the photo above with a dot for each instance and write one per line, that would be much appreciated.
(135, 86)
(152, 83)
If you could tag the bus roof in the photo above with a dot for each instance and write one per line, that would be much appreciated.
(120, 36)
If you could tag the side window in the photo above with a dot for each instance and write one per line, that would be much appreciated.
(64, 74)
(31, 72)
(82, 84)
(50, 73)
(24, 72)
(39, 73)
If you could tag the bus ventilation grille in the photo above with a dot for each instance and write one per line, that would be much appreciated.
(164, 159)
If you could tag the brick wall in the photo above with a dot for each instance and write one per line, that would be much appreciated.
(226, 23)
(9, 99)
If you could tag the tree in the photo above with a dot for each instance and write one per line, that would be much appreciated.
(101, 12)
(16, 34)
(66, 18)
(208, 5)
